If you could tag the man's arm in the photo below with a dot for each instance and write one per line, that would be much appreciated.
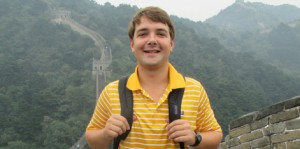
(210, 139)
(96, 139)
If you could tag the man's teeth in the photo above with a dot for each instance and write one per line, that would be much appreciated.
(152, 51)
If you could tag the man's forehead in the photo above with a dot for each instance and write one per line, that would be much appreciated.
(146, 19)
(148, 23)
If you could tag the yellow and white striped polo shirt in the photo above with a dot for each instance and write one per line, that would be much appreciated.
(148, 131)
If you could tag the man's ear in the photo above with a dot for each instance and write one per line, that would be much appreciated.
(131, 45)
(172, 45)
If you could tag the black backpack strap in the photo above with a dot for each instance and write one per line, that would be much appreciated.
(174, 99)
(126, 103)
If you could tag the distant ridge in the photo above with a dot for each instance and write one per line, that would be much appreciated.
(247, 16)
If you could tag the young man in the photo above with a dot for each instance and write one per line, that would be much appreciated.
(152, 34)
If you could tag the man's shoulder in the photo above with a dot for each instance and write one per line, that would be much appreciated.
(112, 85)
(191, 81)
(192, 84)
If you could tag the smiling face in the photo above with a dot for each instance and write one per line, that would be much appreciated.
(151, 43)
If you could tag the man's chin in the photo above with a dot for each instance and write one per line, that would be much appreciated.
(151, 65)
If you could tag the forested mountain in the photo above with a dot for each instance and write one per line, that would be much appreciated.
(247, 16)
(47, 93)
(270, 33)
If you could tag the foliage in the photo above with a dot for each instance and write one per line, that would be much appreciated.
(271, 33)
(247, 16)
(47, 93)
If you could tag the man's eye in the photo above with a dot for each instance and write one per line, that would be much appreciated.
(141, 34)
(161, 34)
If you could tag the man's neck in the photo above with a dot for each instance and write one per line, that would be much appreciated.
(154, 76)
(154, 81)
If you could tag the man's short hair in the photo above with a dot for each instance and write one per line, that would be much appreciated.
(155, 14)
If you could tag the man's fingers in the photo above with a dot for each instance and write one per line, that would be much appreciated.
(134, 118)
(180, 131)
(116, 125)
(111, 133)
(117, 129)
(177, 134)
(175, 123)
(178, 125)
(120, 121)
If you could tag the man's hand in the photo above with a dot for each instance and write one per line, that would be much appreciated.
(181, 131)
(101, 138)
(115, 126)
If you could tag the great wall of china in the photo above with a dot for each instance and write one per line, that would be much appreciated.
(101, 68)
(274, 127)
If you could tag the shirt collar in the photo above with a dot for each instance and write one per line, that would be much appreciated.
(176, 80)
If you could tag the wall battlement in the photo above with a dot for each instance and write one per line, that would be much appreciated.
(274, 127)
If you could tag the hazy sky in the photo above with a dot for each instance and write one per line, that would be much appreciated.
(196, 10)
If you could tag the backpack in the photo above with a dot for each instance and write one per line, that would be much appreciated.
(126, 102)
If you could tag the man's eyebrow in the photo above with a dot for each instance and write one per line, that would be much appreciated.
(141, 29)
(162, 30)
(159, 29)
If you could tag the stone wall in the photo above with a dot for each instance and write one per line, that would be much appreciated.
(274, 127)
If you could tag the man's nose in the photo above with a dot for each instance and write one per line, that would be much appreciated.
(152, 39)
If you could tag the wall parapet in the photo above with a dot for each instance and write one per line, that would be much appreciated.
(276, 126)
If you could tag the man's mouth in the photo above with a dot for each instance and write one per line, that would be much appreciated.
(151, 51)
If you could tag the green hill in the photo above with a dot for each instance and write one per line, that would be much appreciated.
(47, 93)
(247, 16)
(270, 33)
